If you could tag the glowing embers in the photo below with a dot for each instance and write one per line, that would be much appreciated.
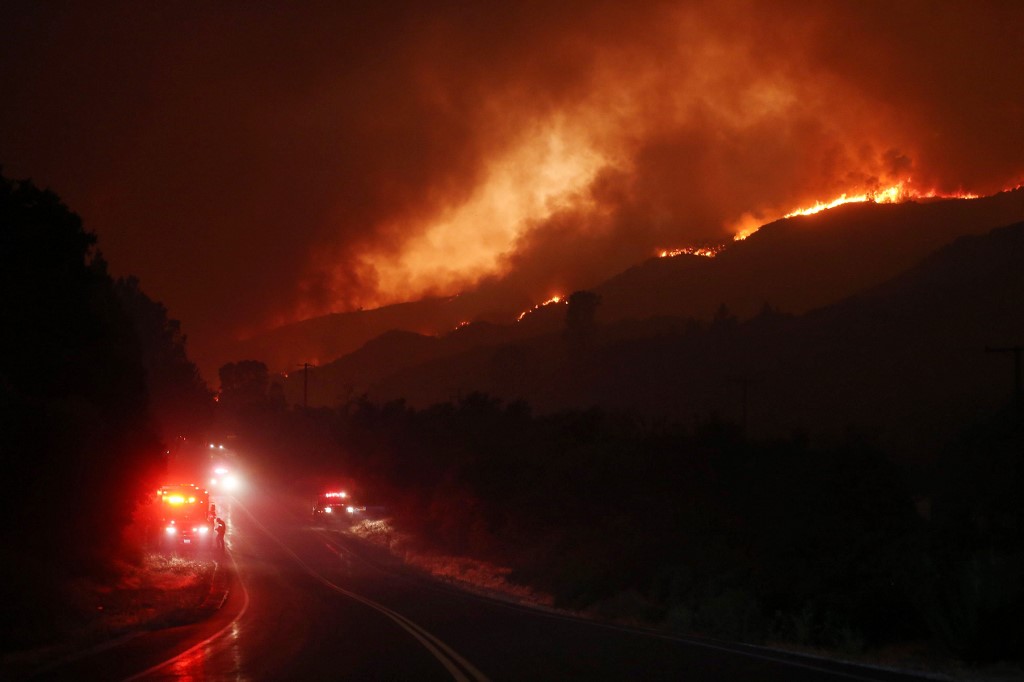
(554, 300)
(705, 251)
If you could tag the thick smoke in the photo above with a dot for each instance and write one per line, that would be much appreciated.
(256, 166)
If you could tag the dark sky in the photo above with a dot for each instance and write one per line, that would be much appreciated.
(257, 163)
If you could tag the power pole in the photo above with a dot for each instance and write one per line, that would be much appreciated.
(305, 385)
(1016, 350)
(744, 380)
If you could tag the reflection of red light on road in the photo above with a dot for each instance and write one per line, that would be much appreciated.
(191, 665)
(215, 658)
(218, 656)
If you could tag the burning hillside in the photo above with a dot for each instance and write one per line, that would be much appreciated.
(894, 194)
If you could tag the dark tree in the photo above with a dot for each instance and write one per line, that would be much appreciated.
(75, 432)
(243, 384)
(724, 319)
(181, 402)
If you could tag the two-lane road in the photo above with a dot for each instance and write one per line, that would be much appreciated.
(312, 603)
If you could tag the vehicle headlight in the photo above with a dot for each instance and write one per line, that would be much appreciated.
(327, 510)
(171, 530)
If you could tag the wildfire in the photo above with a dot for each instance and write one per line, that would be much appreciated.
(895, 194)
(551, 301)
(705, 251)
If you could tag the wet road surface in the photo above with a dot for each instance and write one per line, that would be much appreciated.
(310, 602)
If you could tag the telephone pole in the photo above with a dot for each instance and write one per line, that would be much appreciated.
(1016, 350)
(305, 385)
(744, 380)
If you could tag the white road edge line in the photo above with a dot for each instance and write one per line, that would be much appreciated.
(205, 642)
(441, 651)
(758, 653)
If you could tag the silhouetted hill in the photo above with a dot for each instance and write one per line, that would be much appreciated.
(795, 264)
(904, 361)
(322, 339)
(804, 262)
(355, 373)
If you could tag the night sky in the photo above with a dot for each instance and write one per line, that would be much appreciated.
(260, 163)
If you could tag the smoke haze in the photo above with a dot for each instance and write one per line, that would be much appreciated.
(258, 165)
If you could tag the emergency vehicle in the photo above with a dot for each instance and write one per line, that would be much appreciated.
(336, 504)
(184, 514)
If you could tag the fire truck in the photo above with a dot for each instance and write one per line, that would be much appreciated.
(183, 512)
(336, 504)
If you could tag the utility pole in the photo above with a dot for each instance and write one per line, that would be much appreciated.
(1016, 350)
(744, 380)
(305, 385)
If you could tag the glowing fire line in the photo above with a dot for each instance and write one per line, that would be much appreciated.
(551, 301)
(895, 194)
(705, 251)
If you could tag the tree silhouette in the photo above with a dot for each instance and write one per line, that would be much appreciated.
(74, 421)
(181, 402)
(243, 384)
(723, 319)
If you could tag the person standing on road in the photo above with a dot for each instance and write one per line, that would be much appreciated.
(221, 527)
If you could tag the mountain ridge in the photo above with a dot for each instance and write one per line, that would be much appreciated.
(903, 361)
(795, 264)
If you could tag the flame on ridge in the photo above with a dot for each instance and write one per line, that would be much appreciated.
(749, 224)
(705, 251)
(895, 194)
(557, 298)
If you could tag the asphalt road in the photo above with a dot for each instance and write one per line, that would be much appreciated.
(311, 603)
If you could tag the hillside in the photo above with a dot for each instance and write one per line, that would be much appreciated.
(795, 264)
(804, 262)
(904, 361)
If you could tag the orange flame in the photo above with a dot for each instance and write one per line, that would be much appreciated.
(895, 194)
(705, 251)
(551, 301)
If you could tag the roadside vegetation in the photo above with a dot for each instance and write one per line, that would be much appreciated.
(819, 545)
(158, 591)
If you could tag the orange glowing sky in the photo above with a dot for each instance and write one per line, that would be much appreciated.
(258, 165)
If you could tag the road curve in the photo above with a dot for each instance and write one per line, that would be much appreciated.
(312, 603)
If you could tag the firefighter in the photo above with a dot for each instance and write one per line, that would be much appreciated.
(221, 527)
